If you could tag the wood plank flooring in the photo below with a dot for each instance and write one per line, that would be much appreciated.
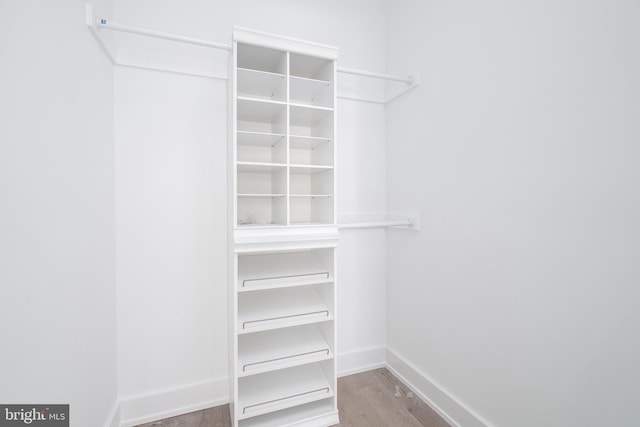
(364, 400)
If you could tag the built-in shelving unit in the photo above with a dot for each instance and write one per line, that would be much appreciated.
(283, 221)
(284, 133)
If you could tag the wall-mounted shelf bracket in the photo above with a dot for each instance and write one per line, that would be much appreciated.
(415, 82)
(91, 22)
(104, 23)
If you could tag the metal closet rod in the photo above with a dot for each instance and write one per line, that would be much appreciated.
(374, 224)
(102, 23)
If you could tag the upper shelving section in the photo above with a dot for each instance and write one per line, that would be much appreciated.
(284, 151)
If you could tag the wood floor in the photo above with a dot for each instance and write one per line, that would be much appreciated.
(364, 400)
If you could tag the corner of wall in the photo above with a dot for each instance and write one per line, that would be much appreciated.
(148, 407)
(113, 419)
(360, 360)
(440, 400)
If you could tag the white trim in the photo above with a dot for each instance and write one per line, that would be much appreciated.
(113, 419)
(148, 407)
(439, 399)
(274, 41)
(354, 362)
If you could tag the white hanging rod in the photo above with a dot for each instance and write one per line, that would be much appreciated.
(408, 79)
(95, 24)
(103, 23)
(374, 224)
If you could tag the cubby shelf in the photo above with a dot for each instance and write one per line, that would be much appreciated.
(258, 167)
(307, 142)
(309, 169)
(258, 139)
(260, 195)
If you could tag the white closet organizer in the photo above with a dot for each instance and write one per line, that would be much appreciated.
(284, 132)
(283, 218)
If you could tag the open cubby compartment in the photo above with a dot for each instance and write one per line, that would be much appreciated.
(283, 348)
(296, 415)
(261, 211)
(261, 131)
(307, 150)
(284, 269)
(284, 307)
(260, 116)
(286, 388)
(261, 84)
(311, 210)
(261, 194)
(311, 180)
(261, 147)
(311, 195)
(311, 80)
(261, 58)
(311, 121)
(311, 139)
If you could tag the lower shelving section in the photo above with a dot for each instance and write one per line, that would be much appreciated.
(273, 391)
(314, 414)
(284, 341)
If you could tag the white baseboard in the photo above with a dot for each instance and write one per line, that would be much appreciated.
(440, 400)
(113, 419)
(168, 403)
(148, 407)
(357, 361)
(157, 405)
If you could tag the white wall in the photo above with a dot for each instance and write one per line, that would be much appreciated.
(57, 246)
(521, 152)
(171, 141)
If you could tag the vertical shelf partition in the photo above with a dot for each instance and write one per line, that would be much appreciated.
(283, 271)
